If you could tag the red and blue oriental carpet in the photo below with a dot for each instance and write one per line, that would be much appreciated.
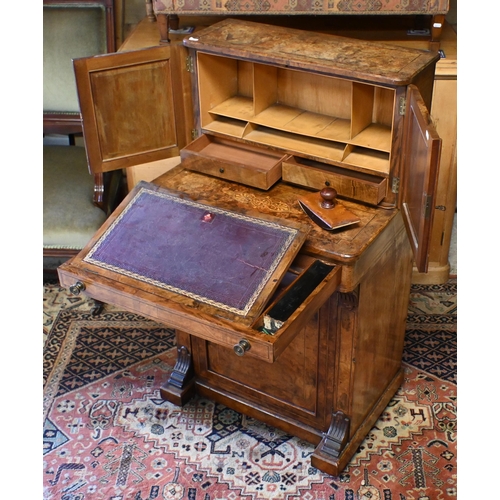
(108, 435)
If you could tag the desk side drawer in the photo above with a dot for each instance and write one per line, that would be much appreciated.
(203, 321)
(353, 185)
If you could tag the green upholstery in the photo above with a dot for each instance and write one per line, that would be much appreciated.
(70, 31)
(70, 218)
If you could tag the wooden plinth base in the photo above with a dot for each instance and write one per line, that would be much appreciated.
(436, 275)
(320, 458)
(176, 396)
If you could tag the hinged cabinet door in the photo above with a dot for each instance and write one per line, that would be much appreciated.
(128, 107)
(420, 168)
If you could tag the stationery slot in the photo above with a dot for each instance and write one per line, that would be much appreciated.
(367, 159)
(299, 290)
(318, 94)
(372, 115)
(306, 123)
(374, 136)
(338, 130)
(225, 88)
(300, 103)
(227, 126)
(306, 145)
(239, 107)
(319, 117)
(265, 87)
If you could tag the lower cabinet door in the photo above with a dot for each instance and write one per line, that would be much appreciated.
(296, 388)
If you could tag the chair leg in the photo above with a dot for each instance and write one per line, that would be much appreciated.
(165, 23)
(174, 22)
(149, 11)
(97, 308)
(436, 31)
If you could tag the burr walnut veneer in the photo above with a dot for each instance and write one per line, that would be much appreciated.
(278, 114)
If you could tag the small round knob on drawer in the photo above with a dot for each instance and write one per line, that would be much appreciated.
(242, 347)
(77, 288)
(221, 170)
(328, 196)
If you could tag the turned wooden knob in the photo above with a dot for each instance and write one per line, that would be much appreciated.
(242, 347)
(328, 196)
(77, 288)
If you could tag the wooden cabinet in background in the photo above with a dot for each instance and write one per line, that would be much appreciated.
(444, 116)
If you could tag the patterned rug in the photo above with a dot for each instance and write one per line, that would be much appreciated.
(108, 435)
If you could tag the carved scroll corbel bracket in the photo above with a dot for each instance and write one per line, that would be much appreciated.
(336, 438)
(349, 301)
(327, 454)
(182, 368)
(179, 387)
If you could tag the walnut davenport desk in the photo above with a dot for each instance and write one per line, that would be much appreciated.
(443, 111)
(277, 314)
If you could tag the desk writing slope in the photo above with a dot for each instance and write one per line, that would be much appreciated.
(217, 257)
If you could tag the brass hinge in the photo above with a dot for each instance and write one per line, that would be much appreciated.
(402, 106)
(194, 134)
(189, 64)
(395, 185)
(427, 206)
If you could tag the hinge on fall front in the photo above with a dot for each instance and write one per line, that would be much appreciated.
(427, 206)
(189, 64)
(194, 134)
(395, 185)
(402, 106)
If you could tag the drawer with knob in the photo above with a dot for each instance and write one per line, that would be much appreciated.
(224, 276)
(357, 186)
(302, 291)
(234, 161)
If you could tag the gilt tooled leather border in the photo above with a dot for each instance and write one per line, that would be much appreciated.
(167, 242)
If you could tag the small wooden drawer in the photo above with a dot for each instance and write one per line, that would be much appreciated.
(264, 337)
(349, 184)
(234, 161)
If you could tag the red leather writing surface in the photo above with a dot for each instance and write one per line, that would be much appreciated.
(212, 255)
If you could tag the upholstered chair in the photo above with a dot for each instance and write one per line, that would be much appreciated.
(75, 203)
